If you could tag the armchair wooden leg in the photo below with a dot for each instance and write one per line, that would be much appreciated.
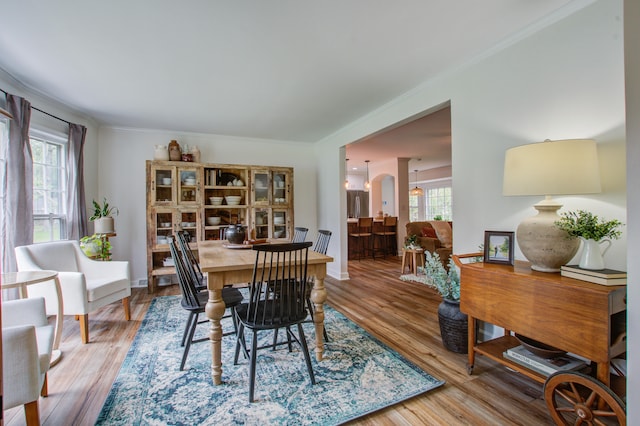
(84, 328)
(126, 306)
(44, 392)
(32, 413)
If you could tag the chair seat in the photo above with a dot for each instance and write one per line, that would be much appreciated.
(362, 234)
(268, 323)
(99, 288)
(231, 297)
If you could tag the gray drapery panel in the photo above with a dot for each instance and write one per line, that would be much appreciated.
(16, 215)
(76, 206)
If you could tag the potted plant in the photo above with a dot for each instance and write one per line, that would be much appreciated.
(103, 217)
(96, 247)
(593, 231)
(453, 323)
(411, 242)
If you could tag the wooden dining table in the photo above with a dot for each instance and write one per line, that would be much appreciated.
(226, 266)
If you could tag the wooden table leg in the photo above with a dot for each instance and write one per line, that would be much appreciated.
(215, 310)
(56, 353)
(318, 297)
(471, 344)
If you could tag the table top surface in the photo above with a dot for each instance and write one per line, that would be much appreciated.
(215, 257)
(413, 250)
(16, 279)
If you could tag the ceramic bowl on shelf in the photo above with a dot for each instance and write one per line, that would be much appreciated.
(166, 181)
(161, 239)
(165, 224)
(278, 234)
(233, 200)
(190, 181)
(278, 220)
(213, 220)
(538, 348)
(216, 201)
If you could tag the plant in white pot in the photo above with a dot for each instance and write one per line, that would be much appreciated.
(102, 217)
(593, 231)
(453, 323)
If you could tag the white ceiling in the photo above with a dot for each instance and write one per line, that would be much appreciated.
(295, 70)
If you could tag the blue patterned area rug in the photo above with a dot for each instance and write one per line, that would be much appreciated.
(357, 376)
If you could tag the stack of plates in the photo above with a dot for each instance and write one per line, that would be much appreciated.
(278, 220)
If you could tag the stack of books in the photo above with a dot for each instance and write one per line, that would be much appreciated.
(598, 276)
(545, 366)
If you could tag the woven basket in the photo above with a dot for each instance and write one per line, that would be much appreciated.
(453, 326)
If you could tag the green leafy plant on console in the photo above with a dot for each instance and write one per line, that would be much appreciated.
(589, 226)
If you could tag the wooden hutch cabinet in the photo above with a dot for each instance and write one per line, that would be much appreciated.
(204, 198)
(576, 316)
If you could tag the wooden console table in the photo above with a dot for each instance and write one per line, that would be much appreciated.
(576, 316)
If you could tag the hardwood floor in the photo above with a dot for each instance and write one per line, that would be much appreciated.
(401, 314)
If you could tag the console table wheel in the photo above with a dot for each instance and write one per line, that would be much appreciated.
(575, 398)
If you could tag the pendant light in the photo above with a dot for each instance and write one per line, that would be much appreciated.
(417, 191)
(367, 184)
(346, 170)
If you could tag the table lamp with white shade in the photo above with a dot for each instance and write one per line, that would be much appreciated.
(562, 167)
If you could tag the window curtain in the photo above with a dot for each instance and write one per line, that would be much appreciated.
(16, 212)
(76, 206)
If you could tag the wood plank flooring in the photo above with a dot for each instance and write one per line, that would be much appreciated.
(401, 314)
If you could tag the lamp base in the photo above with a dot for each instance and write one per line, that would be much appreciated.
(543, 244)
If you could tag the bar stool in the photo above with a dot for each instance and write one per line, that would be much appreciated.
(363, 235)
(386, 237)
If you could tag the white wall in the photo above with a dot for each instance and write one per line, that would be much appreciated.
(123, 153)
(632, 71)
(565, 81)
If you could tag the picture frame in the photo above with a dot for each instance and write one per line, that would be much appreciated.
(498, 247)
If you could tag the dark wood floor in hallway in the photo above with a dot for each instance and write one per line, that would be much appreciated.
(401, 314)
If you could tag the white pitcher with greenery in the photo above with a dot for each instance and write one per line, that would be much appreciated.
(593, 232)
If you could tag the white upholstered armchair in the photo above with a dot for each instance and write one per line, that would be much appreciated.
(27, 341)
(86, 284)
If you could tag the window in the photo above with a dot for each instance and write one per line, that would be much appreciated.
(49, 219)
(435, 203)
(438, 200)
(414, 208)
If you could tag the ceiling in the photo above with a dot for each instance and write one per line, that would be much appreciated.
(295, 70)
(426, 141)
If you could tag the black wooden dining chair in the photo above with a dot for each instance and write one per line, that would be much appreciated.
(322, 241)
(299, 234)
(321, 246)
(192, 263)
(194, 300)
(276, 300)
